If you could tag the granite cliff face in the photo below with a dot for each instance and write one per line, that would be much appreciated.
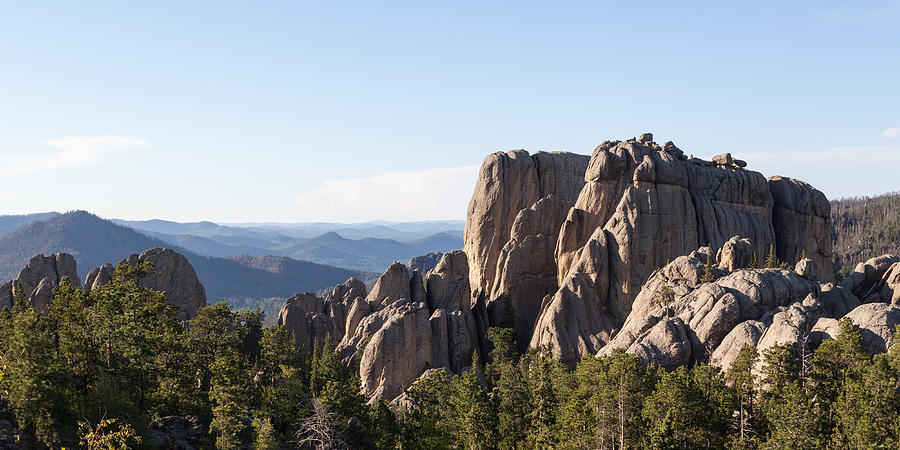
(644, 205)
(637, 247)
(39, 278)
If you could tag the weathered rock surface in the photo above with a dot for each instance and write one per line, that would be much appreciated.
(736, 253)
(304, 315)
(802, 219)
(397, 348)
(173, 276)
(98, 276)
(508, 183)
(876, 280)
(339, 302)
(526, 268)
(397, 331)
(813, 271)
(654, 205)
(38, 278)
(447, 285)
(877, 322)
(391, 286)
(711, 312)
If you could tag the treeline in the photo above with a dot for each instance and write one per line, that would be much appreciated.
(864, 227)
(99, 368)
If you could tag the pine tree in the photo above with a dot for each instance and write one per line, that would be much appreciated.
(867, 411)
(472, 413)
(231, 398)
(743, 381)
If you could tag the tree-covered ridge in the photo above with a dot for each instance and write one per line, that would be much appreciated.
(110, 365)
(94, 241)
(864, 227)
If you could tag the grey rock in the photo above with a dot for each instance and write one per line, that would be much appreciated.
(175, 277)
(391, 286)
(736, 253)
(802, 220)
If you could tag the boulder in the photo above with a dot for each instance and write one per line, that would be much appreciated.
(40, 276)
(175, 277)
(736, 253)
(866, 277)
(98, 276)
(813, 271)
(708, 314)
(878, 322)
(723, 159)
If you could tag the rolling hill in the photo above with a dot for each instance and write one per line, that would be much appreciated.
(95, 241)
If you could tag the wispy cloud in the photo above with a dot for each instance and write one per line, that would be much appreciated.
(410, 195)
(70, 151)
(891, 133)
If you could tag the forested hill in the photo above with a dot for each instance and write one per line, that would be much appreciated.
(94, 241)
(864, 227)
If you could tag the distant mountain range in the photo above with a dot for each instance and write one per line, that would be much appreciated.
(94, 241)
(368, 246)
(234, 261)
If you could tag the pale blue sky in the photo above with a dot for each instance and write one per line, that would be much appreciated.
(344, 111)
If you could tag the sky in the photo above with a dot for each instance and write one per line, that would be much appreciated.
(343, 111)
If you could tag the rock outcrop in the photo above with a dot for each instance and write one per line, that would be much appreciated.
(801, 216)
(508, 183)
(304, 315)
(876, 280)
(644, 205)
(173, 275)
(400, 329)
(40, 276)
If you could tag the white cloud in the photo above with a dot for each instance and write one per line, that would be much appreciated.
(70, 151)
(891, 133)
(411, 195)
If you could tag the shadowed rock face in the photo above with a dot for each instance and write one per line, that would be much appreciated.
(38, 278)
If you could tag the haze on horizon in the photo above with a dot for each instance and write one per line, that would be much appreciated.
(351, 112)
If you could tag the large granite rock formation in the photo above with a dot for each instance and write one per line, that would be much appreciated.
(644, 205)
(40, 276)
(508, 183)
(313, 320)
(173, 275)
(408, 324)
